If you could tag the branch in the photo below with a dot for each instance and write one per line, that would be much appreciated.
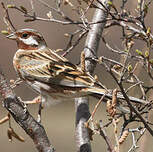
(21, 115)
(91, 47)
(104, 135)
(7, 19)
(131, 106)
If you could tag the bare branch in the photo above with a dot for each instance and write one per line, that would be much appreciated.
(21, 115)
(91, 47)
(7, 19)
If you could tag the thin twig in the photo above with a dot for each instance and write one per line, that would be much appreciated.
(75, 43)
(104, 135)
(7, 17)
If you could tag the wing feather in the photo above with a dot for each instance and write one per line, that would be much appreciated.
(49, 67)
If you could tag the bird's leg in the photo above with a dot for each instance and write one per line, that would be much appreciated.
(39, 112)
(34, 101)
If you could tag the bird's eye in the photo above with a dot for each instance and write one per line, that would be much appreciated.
(24, 35)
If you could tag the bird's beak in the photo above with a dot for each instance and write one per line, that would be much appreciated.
(12, 36)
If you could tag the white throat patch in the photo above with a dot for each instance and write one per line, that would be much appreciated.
(29, 41)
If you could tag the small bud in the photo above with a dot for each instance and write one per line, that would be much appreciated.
(49, 15)
(96, 77)
(100, 60)
(10, 6)
(29, 20)
(130, 68)
(147, 54)
(139, 4)
(24, 9)
(148, 31)
(67, 35)
(139, 52)
(58, 50)
(110, 3)
(4, 32)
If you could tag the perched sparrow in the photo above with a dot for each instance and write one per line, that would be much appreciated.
(51, 75)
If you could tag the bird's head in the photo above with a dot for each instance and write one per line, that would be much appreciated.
(28, 39)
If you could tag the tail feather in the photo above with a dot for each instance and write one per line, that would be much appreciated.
(108, 94)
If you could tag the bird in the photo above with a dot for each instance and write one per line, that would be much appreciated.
(52, 76)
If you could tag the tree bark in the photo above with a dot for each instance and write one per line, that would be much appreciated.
(91, 47)
(21, 115)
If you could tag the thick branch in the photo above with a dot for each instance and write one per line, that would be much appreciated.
(21, 115)
(91, 47)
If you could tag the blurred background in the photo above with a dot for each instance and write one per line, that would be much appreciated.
(59, 120)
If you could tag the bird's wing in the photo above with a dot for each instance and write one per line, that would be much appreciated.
(49, 67)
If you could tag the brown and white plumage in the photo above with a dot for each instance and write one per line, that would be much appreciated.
(50, 74)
